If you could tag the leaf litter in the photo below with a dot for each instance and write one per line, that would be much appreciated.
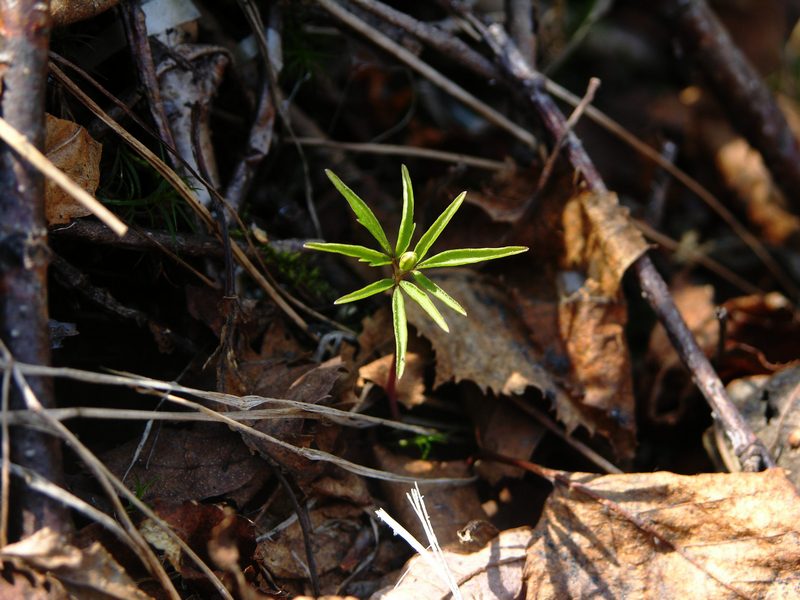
(556, 329)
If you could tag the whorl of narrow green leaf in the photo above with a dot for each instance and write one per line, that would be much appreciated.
(400, 331)
(407, 220)
(364, 254)
(421, 298)
(466, 256)
(366, 291)
(363, 212)
(438, 293)
(429, 237)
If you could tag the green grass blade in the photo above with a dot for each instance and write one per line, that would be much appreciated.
(400, 331)
(467, 256)
(364, 214)
(421, 298)
(429, 237)
(407, 221)
(438, 293)
(364, 254)
(367, 291)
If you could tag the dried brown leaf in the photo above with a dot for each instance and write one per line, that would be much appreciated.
(740, 529)
(410, 387)
(177, 465)
(70, 147)
(87, 572)
(334, 529)
(601, 241)
(489, 346)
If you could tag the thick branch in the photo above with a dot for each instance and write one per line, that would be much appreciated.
(24, 254)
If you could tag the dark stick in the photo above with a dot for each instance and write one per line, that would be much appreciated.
(739, 88)
(188, 244)
(258, 143)
(519, 22)
(748, 448)
(24, 254)
(136, 30)
(302, 518)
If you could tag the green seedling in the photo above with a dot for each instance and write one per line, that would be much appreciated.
(407, 278)
(424, 443)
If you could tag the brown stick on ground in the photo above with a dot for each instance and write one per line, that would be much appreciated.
(748, 448)
(739, 88)
(24, 254)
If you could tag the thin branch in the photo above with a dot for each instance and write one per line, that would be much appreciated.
(413, 151)
(428, 72)
(750, 450)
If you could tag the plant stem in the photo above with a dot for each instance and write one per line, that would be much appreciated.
(391, 388)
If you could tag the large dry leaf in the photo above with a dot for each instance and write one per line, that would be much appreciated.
(70, 147)
(176, 465)
(732, 531)
(489, 346)
(576, 314)
(88, 572)
(494, 572)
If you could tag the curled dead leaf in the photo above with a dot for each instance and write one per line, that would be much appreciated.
(70, 147)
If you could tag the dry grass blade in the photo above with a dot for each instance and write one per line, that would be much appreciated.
(110, 483)
(30, 153)
(241, 403)
(398, 150)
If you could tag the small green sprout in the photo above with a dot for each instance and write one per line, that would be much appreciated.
(407, 278)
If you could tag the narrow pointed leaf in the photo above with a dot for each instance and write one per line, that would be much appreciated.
(407, 220)
(368, 255)
(438, 293)
(400, 331)
(421, 298)
(466, 256)
(366, 291)
(363, 212)
(429, 237)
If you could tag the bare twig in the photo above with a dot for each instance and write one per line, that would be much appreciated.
(188, 195)
(258, 144)
(428, 72)
(699, 258)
